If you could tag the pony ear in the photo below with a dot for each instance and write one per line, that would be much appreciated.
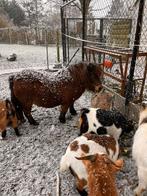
(91, 158)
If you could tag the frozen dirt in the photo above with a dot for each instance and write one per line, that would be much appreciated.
(28, 164)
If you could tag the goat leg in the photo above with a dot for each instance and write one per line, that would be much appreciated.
(3, 134)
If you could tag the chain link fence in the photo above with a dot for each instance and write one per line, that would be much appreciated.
(109, 36)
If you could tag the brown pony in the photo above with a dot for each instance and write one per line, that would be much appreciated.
(52, 89)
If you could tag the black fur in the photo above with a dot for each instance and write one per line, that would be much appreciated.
(84, 125)
(17, 132)
(4, 133)
(108, 118)
(83, 192)
(101, 131)
(72, 110)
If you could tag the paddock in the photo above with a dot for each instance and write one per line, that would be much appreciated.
(29, 163)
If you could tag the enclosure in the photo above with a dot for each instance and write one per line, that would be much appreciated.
(101, 31)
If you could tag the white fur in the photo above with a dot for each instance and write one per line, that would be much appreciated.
(69, 160)
(139, 152)
(111, 130)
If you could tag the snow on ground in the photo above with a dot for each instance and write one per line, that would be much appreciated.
(28, 164)
(27, 56)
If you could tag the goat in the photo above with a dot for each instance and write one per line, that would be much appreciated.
(8, 117)
(52, 89)
(101, 174)
(139, 151)
(87, 144)
(104, 122)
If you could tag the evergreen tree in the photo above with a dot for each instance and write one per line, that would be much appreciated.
(13, 10)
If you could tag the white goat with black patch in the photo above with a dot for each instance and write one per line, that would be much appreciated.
(139, 151)
(102, 121)
(87, 144)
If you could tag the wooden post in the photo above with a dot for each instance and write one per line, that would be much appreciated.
(58, 46)
(10, 38)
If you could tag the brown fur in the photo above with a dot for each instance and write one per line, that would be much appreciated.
(111, 143)
(102, 100)
(8, 116)
(101, 175)
(85, 148)
(63, 88)
(74, 146)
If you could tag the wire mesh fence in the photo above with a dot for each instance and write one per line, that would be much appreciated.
(110, 27)
(28, 36)
(34, 47)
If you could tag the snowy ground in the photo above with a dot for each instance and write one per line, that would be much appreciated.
(28, 164)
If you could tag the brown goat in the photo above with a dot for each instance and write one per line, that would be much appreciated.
(8, 117)
(101, 174)
(52, 89)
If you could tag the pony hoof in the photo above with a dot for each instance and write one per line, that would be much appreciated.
(73, 113)
(23, 120)
(34, 123)
(62, 120)
(19, 135)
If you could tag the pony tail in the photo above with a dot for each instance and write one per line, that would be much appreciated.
(11, 82)
(14, 100)
(8, 104)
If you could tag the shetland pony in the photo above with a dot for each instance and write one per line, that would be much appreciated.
(52, 89)
(139, 151)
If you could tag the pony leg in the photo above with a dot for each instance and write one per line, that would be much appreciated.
(18, 108)
(64, 109)
(17, 132)
(72, 110)
(27, 112)
(20, 115)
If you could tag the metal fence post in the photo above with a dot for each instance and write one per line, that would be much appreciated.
(63, 30)
(129, 86)
(83, 28)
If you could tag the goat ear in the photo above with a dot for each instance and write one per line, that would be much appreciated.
(91, 158)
